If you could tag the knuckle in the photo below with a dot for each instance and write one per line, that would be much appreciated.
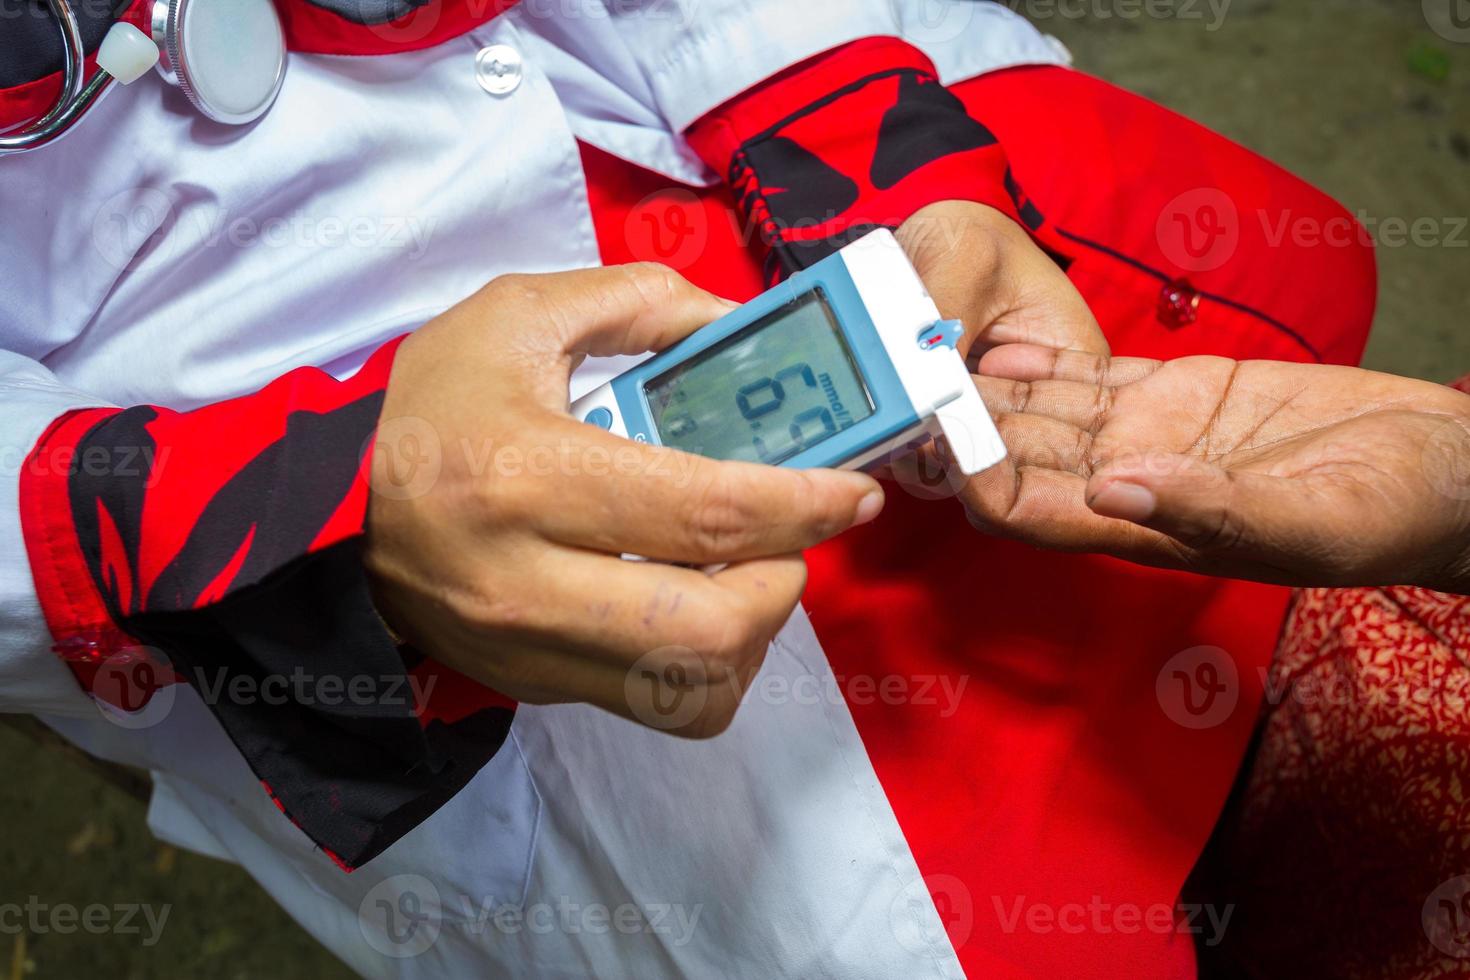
(512, 284)
(491, 607)
(1189, 559)
(734, 642)
(530, 294)
(1057, 367)
(706, 642)
(1021, 393)
(1228, 532)
(1080, 459)
(1102, 407)
(501, 501)
(728, 649)
(730, 671)
(655, 285)
(1222, 532)
(720, 523)
(653, 279)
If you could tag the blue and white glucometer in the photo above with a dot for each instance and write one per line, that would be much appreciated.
(839, 366)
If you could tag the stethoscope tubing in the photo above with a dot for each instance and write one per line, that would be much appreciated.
(76, 94)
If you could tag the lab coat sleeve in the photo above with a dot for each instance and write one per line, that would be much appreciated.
(222, 545)
(826, 119)
(694, 55)
(32, 678)
(857, 138)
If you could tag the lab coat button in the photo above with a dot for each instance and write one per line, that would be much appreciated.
(1178, 304)
(499, 69)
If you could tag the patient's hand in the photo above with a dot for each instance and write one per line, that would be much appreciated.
(1299, 474)
(983, 268)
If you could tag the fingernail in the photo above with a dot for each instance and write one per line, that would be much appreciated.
(869, 509)
(1125, 501)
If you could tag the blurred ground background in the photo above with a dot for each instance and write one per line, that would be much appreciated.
(1361, 97)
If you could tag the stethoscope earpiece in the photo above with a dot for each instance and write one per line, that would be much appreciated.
(127, 53)
(227, 56)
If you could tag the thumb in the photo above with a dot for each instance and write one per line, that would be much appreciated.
(624, 309)
(1205, 507)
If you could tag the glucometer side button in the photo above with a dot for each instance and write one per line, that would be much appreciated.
(942, 333)
(600, 417)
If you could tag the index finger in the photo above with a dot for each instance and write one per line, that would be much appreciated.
(675, 506)
(1034, 362)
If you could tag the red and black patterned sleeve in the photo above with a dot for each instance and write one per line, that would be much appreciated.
(858, 138)
(221, 548)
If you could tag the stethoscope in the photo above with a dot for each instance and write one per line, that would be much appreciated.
(228, 57)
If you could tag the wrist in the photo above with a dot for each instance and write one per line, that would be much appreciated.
(982, 234)
(1445, 460)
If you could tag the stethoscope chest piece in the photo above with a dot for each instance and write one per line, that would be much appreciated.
(228, 56)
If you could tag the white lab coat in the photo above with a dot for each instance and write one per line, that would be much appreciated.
(153, 257)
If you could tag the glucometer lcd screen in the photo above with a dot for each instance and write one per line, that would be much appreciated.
(775, 389)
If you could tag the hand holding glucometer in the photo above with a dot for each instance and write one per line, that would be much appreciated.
(840, 366)
(497, 521)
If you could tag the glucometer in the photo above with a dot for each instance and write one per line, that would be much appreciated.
(840, 366)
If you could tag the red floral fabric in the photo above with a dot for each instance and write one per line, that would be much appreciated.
(1347, 850)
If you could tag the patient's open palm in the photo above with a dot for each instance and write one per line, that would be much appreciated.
(1304, 474)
